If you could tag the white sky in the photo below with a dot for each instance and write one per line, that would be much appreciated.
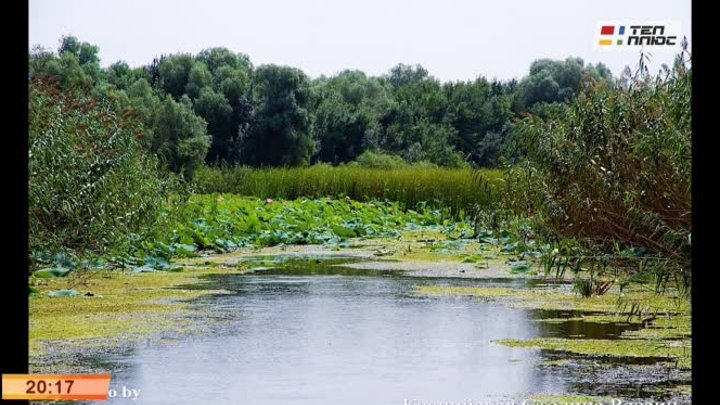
(453, 39)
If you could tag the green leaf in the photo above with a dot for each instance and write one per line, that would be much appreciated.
(184, 250)
(344, 231)
(510, 247)
(472, 259)
(520, 268)
(52, 272)
(158, 263)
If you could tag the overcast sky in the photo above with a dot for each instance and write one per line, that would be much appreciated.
(453, 39)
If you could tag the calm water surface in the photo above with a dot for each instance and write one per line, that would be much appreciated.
(328, 335)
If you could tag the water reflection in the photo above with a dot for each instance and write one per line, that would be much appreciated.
(321, 336)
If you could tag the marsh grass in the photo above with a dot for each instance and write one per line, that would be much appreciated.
(613, 167)
(457, 189)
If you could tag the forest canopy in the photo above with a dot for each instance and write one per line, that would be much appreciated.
(216, 107)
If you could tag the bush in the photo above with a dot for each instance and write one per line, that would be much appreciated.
(377, 160)
(615, 165)
(91, 184)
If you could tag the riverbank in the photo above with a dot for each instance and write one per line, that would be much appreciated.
(110, 309)
(117, 310)
(106, 311)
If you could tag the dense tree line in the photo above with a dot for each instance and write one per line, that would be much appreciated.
(217, 107)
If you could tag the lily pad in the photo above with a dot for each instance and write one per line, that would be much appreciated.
(510, 247)
(143, 269)
(520, 268)
(52, 272)
(63, 293)
(185, 250)
(344, 231)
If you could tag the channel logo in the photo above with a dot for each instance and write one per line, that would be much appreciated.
(608, 32)
(638, 34)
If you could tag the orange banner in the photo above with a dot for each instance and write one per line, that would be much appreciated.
(55, 387)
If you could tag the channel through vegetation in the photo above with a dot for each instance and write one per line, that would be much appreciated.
(568, 174)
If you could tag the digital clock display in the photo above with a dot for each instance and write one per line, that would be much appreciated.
(55, 387)
(49, 387)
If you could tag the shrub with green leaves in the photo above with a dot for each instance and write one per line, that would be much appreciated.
(378, 160)
(91, 184)
(614, 166)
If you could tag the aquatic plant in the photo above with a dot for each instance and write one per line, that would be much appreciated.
(611, 170)
(437, 187)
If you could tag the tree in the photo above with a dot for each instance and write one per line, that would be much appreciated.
(490, 149)
(174, 73)
(120, 75)
(280, 134)
(339, 130)
(234, 84)
(69, 43)
(475, 109)
(86, 53)
(144, 101)
(347, 110)
(415, 124)
(198, 78)
(427, 141)
(180, 137)
(42, 61)
(402, 74)
(216, 58)
(65, 66)
(72, 75)
(215, 109)
(275, 115)
(552, 81)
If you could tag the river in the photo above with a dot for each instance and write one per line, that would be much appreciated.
(325, 334)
